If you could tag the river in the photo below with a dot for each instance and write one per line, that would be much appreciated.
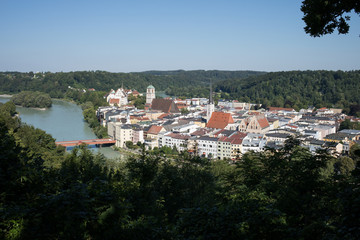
(64, 121)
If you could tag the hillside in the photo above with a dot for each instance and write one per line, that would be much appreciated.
(56, 84)
(297, 89)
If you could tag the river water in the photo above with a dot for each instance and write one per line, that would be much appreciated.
(64, 121)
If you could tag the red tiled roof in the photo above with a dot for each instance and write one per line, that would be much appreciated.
(114, 100)
(273, 109)
(254, 113)
(263, 122)
(236, 138)
(181, 105)
(237, 141)
(179, 136)
(141, 118)
(223, 139)
(200, 132)
(219, 120)
(154, 129)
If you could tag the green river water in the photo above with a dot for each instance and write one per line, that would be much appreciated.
(64, 121)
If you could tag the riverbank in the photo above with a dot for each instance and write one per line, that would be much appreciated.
(40, 109)
(6, 95)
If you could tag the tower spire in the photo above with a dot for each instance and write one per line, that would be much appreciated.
(211, 94)
(210, 107)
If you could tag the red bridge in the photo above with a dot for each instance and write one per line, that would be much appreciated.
(88, 142)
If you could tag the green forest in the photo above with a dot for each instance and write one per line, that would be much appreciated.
(32, 99)
(297, 89)
(57, 84)
(47, 193)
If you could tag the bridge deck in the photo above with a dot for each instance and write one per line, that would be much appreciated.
(89, 142)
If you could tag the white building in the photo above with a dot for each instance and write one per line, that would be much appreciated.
(207, 147)
(150, 94)
(180, 141)
(138, 135)
(124, 133)
(118, 97)
(187, 128)
(253, 142)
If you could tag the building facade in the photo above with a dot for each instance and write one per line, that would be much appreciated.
(150, 94)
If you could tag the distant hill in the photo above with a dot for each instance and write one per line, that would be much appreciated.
(56, 84)
(297, 89)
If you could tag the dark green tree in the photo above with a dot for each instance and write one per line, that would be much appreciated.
(323, 17)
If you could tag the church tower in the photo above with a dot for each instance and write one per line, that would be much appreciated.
(150, 94)
(210, 107)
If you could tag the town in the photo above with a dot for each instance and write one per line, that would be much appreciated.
(225, 131)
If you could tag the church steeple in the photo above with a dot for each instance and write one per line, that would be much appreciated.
(210, 107)
(211, 101)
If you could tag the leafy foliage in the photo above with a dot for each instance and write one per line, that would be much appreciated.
(282, 194)
(32, 99)
(297, 89)
(57, 84)
(323, 17)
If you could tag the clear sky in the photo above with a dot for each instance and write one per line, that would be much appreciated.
(141, 35)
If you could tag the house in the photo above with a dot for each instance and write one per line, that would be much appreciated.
(277, 137)
(164, 105)
(118, 97)
(339, 137)
(312, 133)
(113, 115)
(324, 112)
(219, 120)
(333, 148)
(324, 130)
(274, 123)
(207, 147)
(180, 141)
(281, 110)
(254, 124)
(138, 134)
(186, 128)
(253, 142)
(230, 147)
(224, 148)
(241, 105)
(152, 135)
(135, 93)
(111, 129)
(124, 133)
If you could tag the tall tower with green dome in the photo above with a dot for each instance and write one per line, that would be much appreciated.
(150, 94)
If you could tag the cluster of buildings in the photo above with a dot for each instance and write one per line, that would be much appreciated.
(120, 96)
(225, 131)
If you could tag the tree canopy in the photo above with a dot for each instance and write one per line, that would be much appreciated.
(287, 193)
(298, 89)
(32, 99)
(323, 17)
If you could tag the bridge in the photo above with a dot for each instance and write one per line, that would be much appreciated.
(88, 142)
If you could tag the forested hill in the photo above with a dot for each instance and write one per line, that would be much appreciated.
(56, 84)
(297, 89)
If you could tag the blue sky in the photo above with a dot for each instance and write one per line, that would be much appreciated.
(141, 35)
